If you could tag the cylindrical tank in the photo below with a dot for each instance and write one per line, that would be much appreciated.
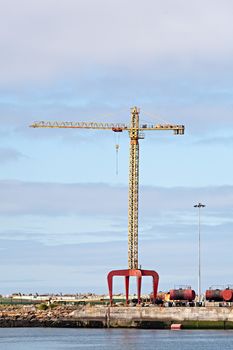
(214, 295)
(227, 295)
(182, 294)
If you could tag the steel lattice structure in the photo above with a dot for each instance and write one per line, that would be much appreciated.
(133, 191)
(135, 133)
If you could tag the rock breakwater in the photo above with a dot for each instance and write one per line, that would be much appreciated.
(31, 316)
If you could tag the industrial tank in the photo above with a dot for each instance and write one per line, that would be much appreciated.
(227, 295)
(214, 295)
(182, 294)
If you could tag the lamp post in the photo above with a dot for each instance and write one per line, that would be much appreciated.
(199, 206)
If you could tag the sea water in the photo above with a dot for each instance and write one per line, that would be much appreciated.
(113, 339)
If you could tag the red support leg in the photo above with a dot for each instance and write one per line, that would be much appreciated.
(127, 289)
(139, 283)
(155, 287)
(110, 277)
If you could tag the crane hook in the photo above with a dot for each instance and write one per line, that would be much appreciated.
(117, 146)
(117, 149)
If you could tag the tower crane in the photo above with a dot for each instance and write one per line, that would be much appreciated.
(136, 132)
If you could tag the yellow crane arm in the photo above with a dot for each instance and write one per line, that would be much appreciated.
(78, 125)
(135, 133)
(118, 127)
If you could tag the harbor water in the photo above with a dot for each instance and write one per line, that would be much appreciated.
(114, 339)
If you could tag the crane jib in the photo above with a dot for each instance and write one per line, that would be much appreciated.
(118, 127)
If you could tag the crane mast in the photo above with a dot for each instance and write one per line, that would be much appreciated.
(135, 133)
(133, 190)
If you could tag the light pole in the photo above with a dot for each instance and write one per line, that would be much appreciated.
(199, 206)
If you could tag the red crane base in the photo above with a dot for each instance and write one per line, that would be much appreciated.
(135, 273)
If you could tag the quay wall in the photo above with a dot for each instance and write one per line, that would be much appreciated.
(117, 316)
(157, 317)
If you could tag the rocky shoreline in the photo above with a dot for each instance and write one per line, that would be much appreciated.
(32, 316)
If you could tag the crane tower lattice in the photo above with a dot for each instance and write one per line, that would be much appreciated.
(136, 132)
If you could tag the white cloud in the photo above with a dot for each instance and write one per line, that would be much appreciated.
(28, 198)
(42, 40)
(84, 267)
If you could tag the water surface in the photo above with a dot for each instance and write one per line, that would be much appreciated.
(112, 339)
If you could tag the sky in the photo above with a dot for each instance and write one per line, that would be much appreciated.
(63, 208)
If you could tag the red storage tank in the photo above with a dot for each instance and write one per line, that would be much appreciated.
(182, 294)
(214, 295)
(227, 295)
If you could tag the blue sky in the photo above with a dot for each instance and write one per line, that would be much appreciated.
(63, 210)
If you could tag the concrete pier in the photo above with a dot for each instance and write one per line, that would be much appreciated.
(212, 317)
(157, 317)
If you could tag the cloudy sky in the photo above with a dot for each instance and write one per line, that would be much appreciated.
(63, 209)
